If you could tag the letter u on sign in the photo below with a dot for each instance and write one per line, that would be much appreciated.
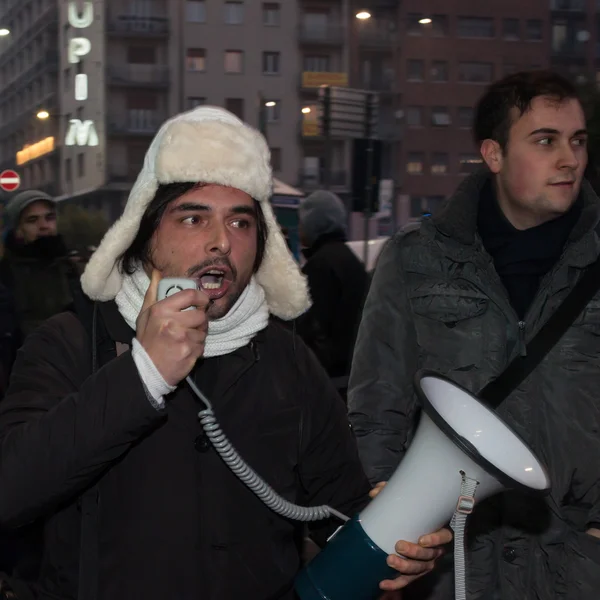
(85, 19)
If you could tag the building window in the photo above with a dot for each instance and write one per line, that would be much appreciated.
(195, 11)
(469, 163)
(195, 101)
(465, 117)
(439, 163)
(273, 111)
(196, 59)
(236, 106)
(234, 13)
(509, 69)
(533, 30)
(234, 61)
(316, 64)
(415, 70)
(414, 165)
(439, 71)
(81, 165)
(475, 27)
(510, 29)
(271, 63)
(141, 55)
(414, 116)
(276, 158)
(440, 116)
(439, 25)
(413, 25)
(271, 13)
(475, 72)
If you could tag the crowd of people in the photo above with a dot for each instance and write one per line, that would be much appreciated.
(109, 485)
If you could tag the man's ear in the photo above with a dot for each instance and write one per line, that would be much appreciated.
(492, 155)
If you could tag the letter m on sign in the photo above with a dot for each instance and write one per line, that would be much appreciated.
(81, 133)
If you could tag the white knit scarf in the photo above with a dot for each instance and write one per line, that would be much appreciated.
(248, 316)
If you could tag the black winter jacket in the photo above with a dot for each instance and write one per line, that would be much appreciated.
(338, 285)
(174, 521)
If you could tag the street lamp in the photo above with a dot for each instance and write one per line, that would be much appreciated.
(270, 103)
(363, 15)
(425, 21)
(306, 110)
(4, 32)
(43, 115)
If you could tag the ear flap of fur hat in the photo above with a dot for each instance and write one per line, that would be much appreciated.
(208, 145)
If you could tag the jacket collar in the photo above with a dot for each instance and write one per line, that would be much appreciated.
(457, 219)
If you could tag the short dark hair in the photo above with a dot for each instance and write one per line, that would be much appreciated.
(493, 118)
(140, 251)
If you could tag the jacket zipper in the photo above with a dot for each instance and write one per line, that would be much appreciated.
(522, 344)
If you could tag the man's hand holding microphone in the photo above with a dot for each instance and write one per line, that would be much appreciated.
(172, 336)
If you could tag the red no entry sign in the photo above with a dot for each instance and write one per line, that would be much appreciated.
(9, 181)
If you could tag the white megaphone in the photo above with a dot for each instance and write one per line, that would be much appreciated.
(458, 440)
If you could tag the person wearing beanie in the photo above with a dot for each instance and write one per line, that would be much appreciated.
(100, 436)
(36, 266)
(338, 284)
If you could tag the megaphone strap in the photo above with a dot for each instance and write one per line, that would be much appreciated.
(464, 507)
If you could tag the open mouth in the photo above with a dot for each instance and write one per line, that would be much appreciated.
(215, 282)
(212, 280)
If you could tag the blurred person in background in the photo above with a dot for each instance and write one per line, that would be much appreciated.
(463, 293)
(338, 285)
(37, 267)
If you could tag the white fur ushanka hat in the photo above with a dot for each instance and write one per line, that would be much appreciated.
(208, 145)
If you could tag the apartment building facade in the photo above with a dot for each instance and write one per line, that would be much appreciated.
(109, 72)
(29, 67)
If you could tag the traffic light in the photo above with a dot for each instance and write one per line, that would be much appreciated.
(360, 168)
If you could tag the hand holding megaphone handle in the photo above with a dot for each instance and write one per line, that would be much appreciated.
(464, 507)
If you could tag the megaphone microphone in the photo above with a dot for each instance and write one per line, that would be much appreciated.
(462, 451)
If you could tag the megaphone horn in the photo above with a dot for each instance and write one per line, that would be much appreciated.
(462, 450)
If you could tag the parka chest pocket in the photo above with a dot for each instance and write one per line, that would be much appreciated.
(450, 324)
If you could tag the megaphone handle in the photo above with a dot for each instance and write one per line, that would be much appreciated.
(464, 507)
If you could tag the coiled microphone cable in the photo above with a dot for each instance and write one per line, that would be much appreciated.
(249, 477)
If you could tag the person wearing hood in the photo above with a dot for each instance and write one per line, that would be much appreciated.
(36, 267)
(100, 419)
(337, 281)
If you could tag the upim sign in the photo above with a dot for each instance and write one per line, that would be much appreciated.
(81, 133)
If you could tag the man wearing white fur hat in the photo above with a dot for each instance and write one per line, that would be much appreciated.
(164, 517)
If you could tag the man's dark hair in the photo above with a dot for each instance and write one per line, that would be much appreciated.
(140, 250)
(493, 118)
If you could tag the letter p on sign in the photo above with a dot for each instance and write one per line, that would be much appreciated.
(78, 48)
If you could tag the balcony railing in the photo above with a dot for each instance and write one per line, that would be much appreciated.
(569, 50)
(377, 37)
(134, 25)
(567, 5)
(144, 75)
(137, 122)
(378, 84)
(311, 180)
(123, 173)
(330, 34)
